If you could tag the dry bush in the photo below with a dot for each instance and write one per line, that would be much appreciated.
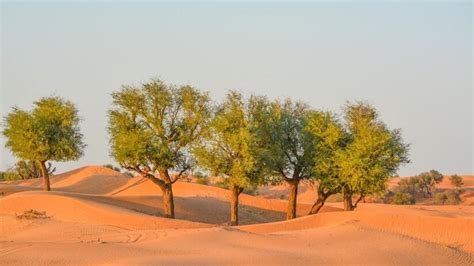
(32, 214)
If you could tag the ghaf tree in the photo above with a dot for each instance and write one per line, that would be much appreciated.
(231, 149)
(287, 148)
(372, 154)
(49, 132)
(152, 128)
(329, 138)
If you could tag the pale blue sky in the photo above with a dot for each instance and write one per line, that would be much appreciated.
(413, 61)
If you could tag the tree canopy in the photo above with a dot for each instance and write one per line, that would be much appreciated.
(231, 147)
(152, 128)
(49, 132)
(329, 138)
(287, 148)
(372, 154)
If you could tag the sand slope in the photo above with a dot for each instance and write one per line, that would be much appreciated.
(98, 216)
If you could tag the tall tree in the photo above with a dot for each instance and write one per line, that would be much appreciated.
(49, 132)
(231, 148)
(372, 154)
(288, 151)
(329, 138)
(152, 128)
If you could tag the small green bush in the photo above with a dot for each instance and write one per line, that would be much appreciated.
(401, 198)
(447, 198)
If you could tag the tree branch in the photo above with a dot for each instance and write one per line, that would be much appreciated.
(144, 173)
(178, 176)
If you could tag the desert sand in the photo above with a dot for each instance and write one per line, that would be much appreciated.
(95, 215)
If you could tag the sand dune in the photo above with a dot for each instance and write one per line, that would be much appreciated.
(98, 216)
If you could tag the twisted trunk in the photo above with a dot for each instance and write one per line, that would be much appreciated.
(322, 197)
(234, 204)
(45, 174)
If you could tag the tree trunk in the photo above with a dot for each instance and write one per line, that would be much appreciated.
(168, 201)
(234, 205)
(293, 194)
(45, 174)
(348, 202)
(322, 197)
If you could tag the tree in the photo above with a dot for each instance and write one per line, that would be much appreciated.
(372, 154)
(152, 128)
(456, 181)
(328, 138)
(231, 148)
(49, 132)
(288, 149)
(427, 181)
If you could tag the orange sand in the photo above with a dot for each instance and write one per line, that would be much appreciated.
(98, 216)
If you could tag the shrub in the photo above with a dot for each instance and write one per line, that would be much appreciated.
(11, 176)
(401, 198)
(447, 198)
(408, 185)
(32, 214)
(130, 174)
(110, 166)
(456, 181)
(202, 180)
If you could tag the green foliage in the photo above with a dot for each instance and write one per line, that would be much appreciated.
(425, 182)
(329, 138)
(11, 175)
(372, 153)
(2, 175)
(401, 198)
(152, 128)
(447, 198)
(230, 147)
(456, 181)
(288, 152)
(49, 132)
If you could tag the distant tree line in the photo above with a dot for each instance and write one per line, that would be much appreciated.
(162, 132)
(423, 185)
